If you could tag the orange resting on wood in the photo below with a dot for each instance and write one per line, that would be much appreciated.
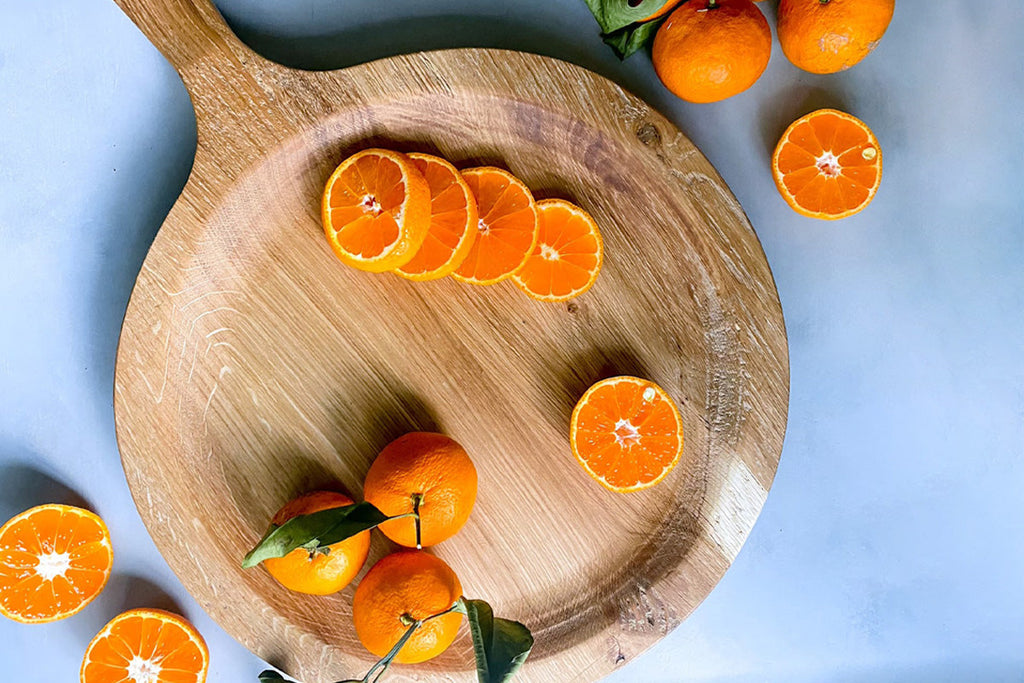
(507, 228)
(376, 210)
(826, 36)
(827, 164)
(399, 589)
(147, 645)
(319, 574)
(453, 221)
(568, 256)
(54, 560)
(627, 433)
(427, 472)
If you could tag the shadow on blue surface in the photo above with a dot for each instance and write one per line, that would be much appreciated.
(23, 486)
(123, 592)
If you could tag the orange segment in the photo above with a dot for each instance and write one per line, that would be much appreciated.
(376, 210)
(627, 433)
(568, 255)
(507, 229)
(827, 165)
(453, 221)
(146, 645)
(54, 560)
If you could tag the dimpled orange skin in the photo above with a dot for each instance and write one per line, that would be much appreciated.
(826, 37)
(412, 583)
(705, 54)
(430, 464)
(324, 574)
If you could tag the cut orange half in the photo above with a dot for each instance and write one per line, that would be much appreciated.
(376, 210)
(453, 221)
(568, 255)
(627, 433)
(54, 560)
(146, 645)
(507, 229)
(828, 165)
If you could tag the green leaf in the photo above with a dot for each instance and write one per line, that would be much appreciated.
(628, 40)
(270, 675)
(500, 645)
(612, 15)
(315, 531)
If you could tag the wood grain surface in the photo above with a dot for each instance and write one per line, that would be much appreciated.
(253, 366)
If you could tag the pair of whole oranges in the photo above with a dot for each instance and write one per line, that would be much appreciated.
(708, 50)
(421, 478)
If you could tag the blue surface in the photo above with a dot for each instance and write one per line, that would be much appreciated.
(891, 547)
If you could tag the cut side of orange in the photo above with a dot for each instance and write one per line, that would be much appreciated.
(568, 255)
(376, 210)
(507, 228)
(146, 645)
(54, 560)
(453, 221)
(627, 433)
(828, 165)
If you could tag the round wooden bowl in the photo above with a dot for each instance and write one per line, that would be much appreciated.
(253, 366)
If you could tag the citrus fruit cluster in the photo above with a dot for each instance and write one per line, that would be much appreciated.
(54, 561)
(418, 216)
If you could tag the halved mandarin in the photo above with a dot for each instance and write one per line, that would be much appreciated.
(453, 221)
(376, 210)
(828, 165)
(146, 646)
(54, 560)
(568, 255)
(506, 230)
(627, 433)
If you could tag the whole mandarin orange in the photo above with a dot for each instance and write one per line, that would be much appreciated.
(321, 574)
(826, 36)
(431, 468)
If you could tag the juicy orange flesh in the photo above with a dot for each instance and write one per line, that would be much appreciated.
(365, 204)
(623, 438)
(566, 256)
(448, 215)
(813, 179)
(45, 537)
(153, 643)
(507, 227)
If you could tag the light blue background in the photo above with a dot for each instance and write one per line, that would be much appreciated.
(891, 547)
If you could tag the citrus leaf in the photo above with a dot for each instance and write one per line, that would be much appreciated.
(634, 37)
(270, 675)
(501, 646)
(315, 531)
(612, 15)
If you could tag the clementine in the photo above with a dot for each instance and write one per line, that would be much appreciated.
(146, 645)
(826, 36)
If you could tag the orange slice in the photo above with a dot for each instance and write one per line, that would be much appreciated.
(827, 165)
(507, 229)
(376, 210)
(453, 221)
(54, 560)
(568, 255)
(147, 645)
(627, 433)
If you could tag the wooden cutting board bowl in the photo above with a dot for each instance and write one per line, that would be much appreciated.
(253, 366)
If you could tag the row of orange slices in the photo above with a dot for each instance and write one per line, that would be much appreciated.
(418, 216)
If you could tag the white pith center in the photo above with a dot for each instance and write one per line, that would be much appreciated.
(52, 565)
(371, 205)
(625, 433)
(828, 164)
(143, 670)
(483, 227)
(548, 253)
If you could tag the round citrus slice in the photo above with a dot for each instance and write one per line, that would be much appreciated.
(827, 165)
(376, 210)
(627, 433)
(506, 230)
(54, 560)
(146, 646)
(568, 255)
(453, 221)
